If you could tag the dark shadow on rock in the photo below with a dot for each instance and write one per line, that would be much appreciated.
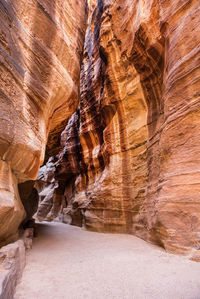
(30, 198)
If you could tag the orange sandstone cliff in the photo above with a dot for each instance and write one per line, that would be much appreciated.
(41, 46)
(130, 153)
(128, 158)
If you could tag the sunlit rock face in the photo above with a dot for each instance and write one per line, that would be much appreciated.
(130, 153)
(128, 109)
(105, 141)
(41, 45)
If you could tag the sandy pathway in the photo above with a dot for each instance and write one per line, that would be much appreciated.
(70, 263)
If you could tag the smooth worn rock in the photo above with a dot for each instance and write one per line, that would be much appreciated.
(128, 157)
(11, 208)
(130, 153)
(40, 50)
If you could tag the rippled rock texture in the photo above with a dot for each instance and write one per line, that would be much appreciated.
(130, 153)
(41, 46)
(128, 156)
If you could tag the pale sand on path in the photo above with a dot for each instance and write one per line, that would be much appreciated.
(67, 262)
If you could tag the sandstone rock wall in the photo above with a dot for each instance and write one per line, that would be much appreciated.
(130, 153)
(41, 46)
(105, 140)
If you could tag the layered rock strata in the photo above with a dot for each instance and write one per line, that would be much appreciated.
(100, 152)
(41, 46)
(130, 153)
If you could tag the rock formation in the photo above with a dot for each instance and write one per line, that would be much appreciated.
(128, 157)
(129, 160)
(41, 46)
(12, 263)
(50, 192)
(30, 199)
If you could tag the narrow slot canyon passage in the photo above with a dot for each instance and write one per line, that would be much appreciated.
(69, 262)
(99, 149)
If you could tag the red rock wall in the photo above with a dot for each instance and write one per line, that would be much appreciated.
(130, 153)
(106, 156)
(41, 45)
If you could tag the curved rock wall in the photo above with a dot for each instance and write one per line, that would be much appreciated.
(41, 46)
(128, 157)
(105, 141)
(129, 160)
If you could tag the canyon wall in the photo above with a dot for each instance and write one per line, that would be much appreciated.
(130, 153)
(41, 45)
(127, 105)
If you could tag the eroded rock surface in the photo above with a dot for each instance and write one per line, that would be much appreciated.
(30, 199)
(128, 157)
(12, 263)
(40, 50)
(50, 192)
(130, 153)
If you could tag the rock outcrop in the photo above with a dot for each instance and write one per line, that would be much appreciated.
(12, 263)
(41, 46)
(127, 159)
(130, 153)
(50, 192)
